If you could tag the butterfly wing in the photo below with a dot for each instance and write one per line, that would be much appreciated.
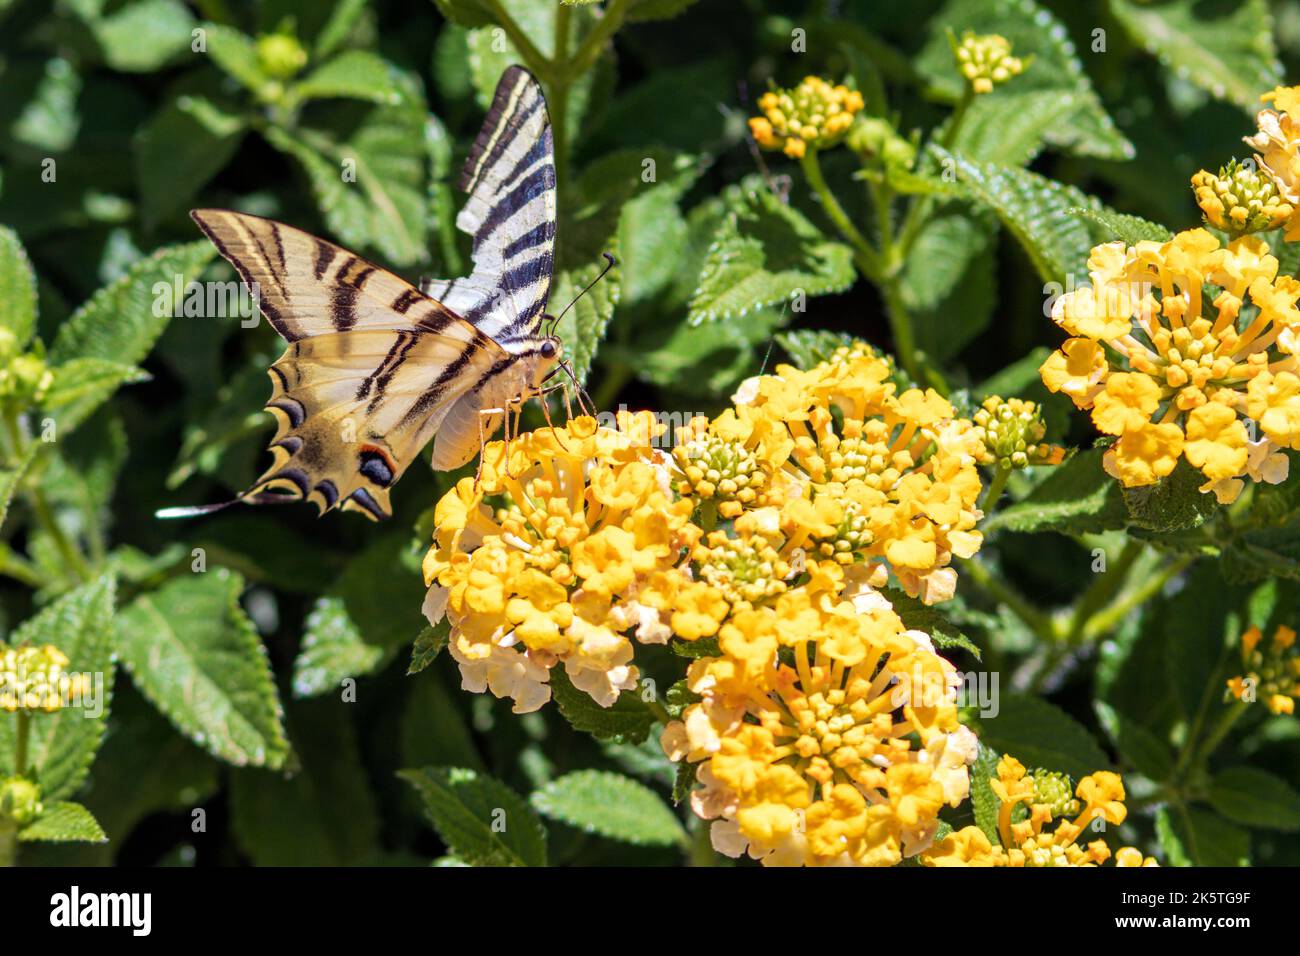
(510, 213)
(372, 368)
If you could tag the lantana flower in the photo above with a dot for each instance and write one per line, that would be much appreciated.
(985, 60)
(883, 476)
(1029, 805)
(1173, 373)
(35, 678)
(1271, 672)
(827, 734)
(1242, 198)
(1011, 431)
(812, 115)
(1277, 149)
(563, 553)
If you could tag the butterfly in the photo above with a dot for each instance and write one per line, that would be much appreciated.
(375, 367)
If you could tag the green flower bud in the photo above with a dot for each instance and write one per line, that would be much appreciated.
(20, 800)
(280, 55)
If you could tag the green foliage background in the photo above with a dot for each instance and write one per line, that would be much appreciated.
(228, 685)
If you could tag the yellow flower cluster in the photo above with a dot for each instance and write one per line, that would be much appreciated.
(35, 678)
(813, 115)
(1277, 149)
(1011, 431)
(578, 541)
(1240, 199)
(558, 554)
(864, 472)
(1172, 373)
(985, 61)
(1028, 803)
(825, 734)
(1272, 673)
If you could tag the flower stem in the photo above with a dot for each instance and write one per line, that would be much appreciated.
(8, 842)
(868, 260)
(40, 505)
(1105, 621)
(1107, 584)
(921, 207)
(995, 489)
(22, 730)
(1036, 620)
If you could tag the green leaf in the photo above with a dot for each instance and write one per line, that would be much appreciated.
(627, 720)
(1035, 210)
(355, 74)
(1085, 129)
(1039, 734)
(1170, 844)
(1199, 627)
(236, 54)
(610, 805)
(1144, 751)
(428, 646)
(684, 782)
(1255, 798)
(584, 327)
(64, 823)
(641, 10)
(61, 746)
(168, 774)
(468, 13)
(367, 169)
(932, 621)
(321, 814)
(481, 820)
(50, 120)
(180, 149)
(81, 385)
(120, 322)
(652, 233)
(332, 650)
(1077, 497)
(194, 653)
(9, 479)
(949, 282)
(382, 589)
(1011, 128)
(434, 732)
(1128, 229)
(1174, 503)
(1223, 46)
(342, 19)
(984, 802)
(766, 253)
(138, 36)
(1016, 378)
(1258, 553)
(17, 289)
(1204, 838)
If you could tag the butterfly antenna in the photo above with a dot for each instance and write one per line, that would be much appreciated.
(610, 262)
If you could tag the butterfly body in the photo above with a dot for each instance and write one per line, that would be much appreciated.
(375, 368)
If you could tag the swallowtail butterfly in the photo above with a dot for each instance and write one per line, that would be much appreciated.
(375, 367)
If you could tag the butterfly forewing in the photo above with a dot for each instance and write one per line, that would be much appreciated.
(510, 213)
(373, 365)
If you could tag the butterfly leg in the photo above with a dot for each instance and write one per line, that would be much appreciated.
(482, 440)
(546, 411)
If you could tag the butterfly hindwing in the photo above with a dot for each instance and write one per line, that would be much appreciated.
(372, 367)
(510, 213)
